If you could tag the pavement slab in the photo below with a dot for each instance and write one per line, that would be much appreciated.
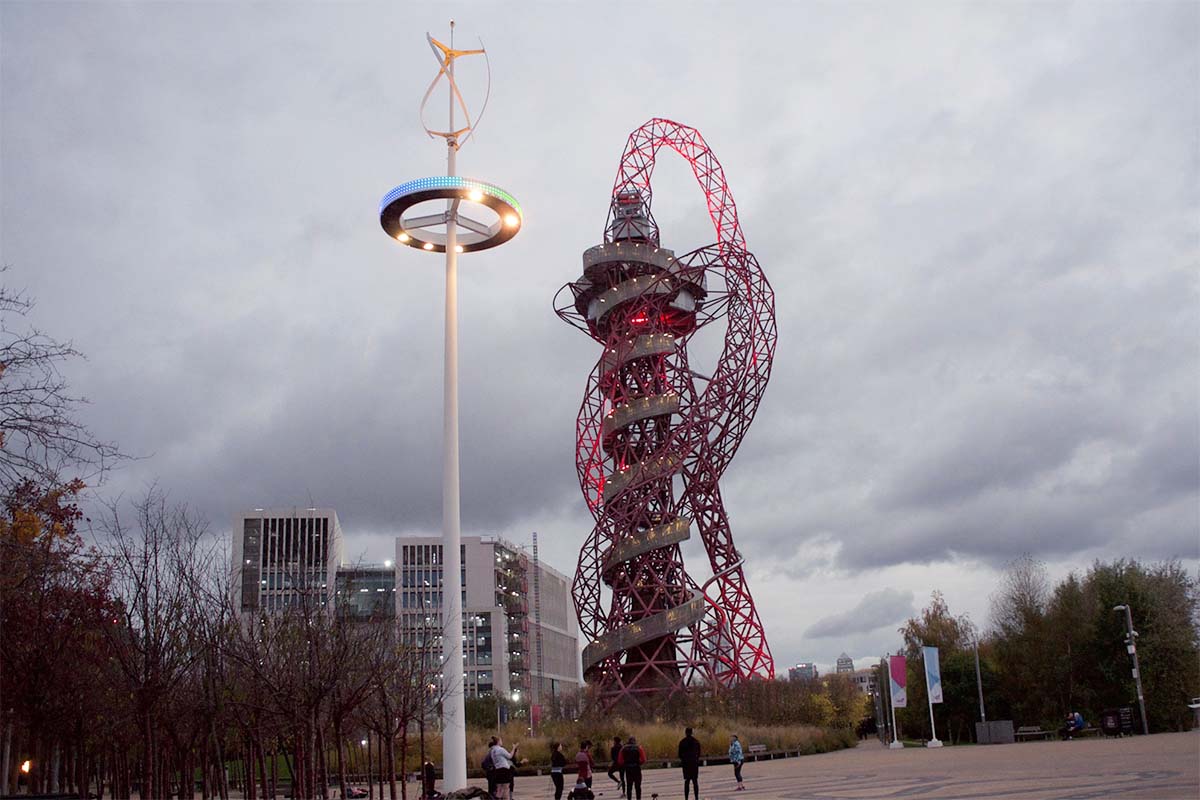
(1160, 767)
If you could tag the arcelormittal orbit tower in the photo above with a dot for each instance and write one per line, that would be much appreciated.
(654, 437)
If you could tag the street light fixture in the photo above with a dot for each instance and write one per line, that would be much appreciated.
(451, 231)
(1131, 648)
(978, 679)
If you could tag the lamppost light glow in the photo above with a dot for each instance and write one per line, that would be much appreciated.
(417, 229)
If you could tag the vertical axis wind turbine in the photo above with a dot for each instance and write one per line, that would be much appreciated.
(495, 217)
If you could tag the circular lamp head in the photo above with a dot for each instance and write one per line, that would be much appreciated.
(469, 235)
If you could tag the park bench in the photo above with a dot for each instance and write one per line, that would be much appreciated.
(756, 750)
(1088, 731)
(1032, 732)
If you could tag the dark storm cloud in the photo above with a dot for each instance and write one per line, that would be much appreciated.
(875, 610)
(980, 225)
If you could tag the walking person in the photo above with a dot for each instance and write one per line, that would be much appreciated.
(557, 762)
(736, 758)
(502, 765)
(631, 759)
(689, 760)
(584, 763)
(614, 769)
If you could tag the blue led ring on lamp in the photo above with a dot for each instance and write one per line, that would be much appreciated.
(471, 235)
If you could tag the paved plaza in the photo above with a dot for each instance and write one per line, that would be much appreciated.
(1155, 768)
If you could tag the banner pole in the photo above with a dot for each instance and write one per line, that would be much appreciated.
(895, 745)
(929, 696)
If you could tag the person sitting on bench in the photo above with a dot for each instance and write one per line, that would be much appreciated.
(1073, 725)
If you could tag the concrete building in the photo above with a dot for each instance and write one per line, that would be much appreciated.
(804, 671)
(865, 679)
(845, 664)
(500, 620)
(280, 553)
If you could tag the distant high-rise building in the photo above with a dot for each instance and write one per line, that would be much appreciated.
(804, 671)
(845, 664)
(499, 629)
(280, 554)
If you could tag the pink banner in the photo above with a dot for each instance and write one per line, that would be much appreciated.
(899, 681)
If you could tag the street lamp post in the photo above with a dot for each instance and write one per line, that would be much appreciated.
(979, 682)
(1131, 646)
(405, 215)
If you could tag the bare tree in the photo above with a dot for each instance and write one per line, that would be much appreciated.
(156, 568)
(40, 434)
(1021, 599)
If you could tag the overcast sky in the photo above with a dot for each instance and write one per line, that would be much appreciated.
(981, 223)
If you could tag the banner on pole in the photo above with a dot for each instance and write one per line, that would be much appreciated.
(899, 681)
(933, 674)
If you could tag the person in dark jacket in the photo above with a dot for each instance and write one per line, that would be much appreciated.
(689, 760)
(428, 780)
(557, 762)
(614, 769)
(581, 792)
(631, 759)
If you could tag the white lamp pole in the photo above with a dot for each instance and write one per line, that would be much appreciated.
(462, 234)
(454, 728)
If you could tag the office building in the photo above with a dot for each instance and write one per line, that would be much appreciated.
(500, 620)
(804, 671)
(282, 554)
(845, 664)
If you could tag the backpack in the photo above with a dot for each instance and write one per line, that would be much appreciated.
(632, 755)
(488, 765)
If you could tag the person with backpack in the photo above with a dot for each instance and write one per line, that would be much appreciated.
(557, 762)
(736, 758)
(584, 763)
(502, 768)
(614, 769)
(631, 759)
(689, 760)
(489, 769)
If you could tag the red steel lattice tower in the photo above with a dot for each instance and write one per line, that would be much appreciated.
(654, 437)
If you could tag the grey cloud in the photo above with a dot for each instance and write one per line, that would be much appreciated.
(874, 611)
(980, 229)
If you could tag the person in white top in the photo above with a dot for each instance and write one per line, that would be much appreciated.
(502, 762)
